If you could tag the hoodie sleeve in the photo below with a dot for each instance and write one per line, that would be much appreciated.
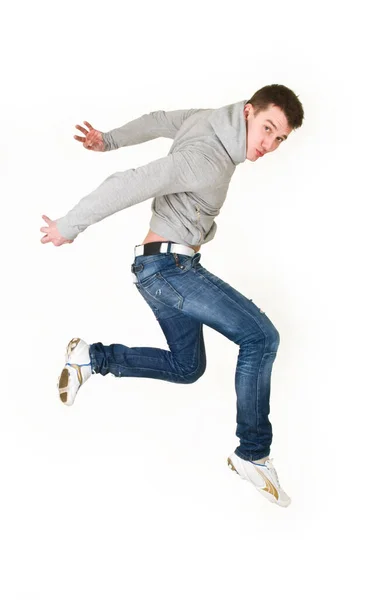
(147, 127)
(181, 171)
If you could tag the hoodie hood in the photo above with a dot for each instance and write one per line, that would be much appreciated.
(229, 124)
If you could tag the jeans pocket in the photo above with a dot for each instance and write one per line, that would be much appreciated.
(144, 283)
(160, 290)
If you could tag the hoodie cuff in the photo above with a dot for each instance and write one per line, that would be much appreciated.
(67, 231)
(109, 141)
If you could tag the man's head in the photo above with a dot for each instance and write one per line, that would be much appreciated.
(271, 115)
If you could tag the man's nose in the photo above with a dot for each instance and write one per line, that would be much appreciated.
(267, 146)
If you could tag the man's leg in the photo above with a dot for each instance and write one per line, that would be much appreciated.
(184, 297)
(218, 305)
(185, 362)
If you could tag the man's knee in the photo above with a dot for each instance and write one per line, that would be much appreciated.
(192, 376)
(273, 340)
(270, 338)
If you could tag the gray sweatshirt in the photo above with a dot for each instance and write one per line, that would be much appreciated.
(188, 186)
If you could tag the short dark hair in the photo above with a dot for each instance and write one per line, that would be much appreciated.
(280, 96)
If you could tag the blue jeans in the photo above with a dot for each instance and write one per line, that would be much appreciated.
(183, 296)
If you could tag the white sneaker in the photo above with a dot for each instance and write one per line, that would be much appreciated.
(263, 477)
(76, 371)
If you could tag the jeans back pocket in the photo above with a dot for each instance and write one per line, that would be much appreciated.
(160, 290)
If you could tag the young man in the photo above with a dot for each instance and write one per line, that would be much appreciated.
(189, 187)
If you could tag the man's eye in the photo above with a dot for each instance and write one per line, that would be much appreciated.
(279, 139)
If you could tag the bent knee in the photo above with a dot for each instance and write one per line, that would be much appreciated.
(273, 340)
(270, 338)
(192, 376)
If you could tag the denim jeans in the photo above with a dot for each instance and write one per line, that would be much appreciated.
(184, 296)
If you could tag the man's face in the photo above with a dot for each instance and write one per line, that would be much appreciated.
(264, 132)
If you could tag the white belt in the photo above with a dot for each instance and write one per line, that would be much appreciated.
(178, 248)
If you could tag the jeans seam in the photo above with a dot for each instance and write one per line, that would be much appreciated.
(197, 352)
(258, 382)
(119, 365)
(232, 300)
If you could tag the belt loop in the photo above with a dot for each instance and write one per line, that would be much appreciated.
(169, 247)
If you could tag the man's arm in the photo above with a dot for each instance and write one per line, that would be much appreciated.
(182, 171)
(147, 127)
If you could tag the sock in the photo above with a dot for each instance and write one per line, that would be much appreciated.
(260, 461)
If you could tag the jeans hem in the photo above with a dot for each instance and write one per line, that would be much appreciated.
(252, 456)
(93, 362)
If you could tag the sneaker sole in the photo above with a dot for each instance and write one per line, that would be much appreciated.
(63, 384)
(65, 375)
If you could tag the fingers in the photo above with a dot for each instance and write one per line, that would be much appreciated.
(81, 129)
(46, 238)
(91, 137)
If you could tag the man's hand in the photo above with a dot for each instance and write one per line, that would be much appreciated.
(93, 139)
(52, 234)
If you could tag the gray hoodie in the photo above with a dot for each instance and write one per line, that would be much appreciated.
(188, 186)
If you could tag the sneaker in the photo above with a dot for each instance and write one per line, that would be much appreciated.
(76, 371)
(263, 477)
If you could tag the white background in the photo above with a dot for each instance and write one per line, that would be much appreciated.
(127, 494)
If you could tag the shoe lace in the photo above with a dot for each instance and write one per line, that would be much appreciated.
(273, 472)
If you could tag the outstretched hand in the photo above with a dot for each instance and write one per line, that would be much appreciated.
(52, 234)
(93, 139)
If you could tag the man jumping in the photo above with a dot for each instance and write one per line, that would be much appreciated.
(189, 187)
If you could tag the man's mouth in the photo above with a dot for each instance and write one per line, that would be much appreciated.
(258, 152)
